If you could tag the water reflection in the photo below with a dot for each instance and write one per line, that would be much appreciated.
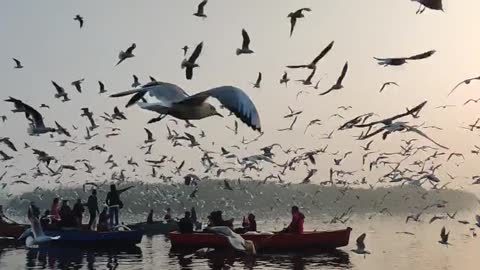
(222, 259)
(74, 258)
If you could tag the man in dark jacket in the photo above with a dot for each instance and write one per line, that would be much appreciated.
(185, 225)
(78, 210)
(92, 205)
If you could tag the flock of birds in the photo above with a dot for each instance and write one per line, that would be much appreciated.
(168, 99)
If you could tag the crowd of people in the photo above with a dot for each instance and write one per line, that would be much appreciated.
(62, 215)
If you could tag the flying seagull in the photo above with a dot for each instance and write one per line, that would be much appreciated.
(135, 83)
(338, 85)
(126, 54)
(79, 19)
(431, 4)
(174, 101)
(245, 44)
(294, 16)
(387, 84)
(201, 9)
(37, 125)
(284, 79)
(78, 85)
(361, 245)
(313, 64)
(444, 236)
(102, 87)
(259, 80)
(150, 138)
(60, 92)
(18, 64)
(190, 64)
(402, 60)
(467, 81)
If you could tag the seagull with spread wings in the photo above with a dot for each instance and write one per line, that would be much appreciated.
(313, 64)
(201, 9)
(190, 64)
(294, 16)
(174, 101)
(123, 55)
(338, 85)
(403, 60)
(466, 81)
(245, 44)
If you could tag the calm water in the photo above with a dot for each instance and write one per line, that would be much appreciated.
(390, 250)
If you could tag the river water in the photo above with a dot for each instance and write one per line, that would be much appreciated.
(389, 247)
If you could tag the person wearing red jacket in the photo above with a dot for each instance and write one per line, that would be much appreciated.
(296, 226)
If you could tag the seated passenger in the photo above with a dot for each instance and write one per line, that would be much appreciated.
(185, 225)
(216, 219)
(168, 215)
(45, 219)
(67, 218)
(296, 226)
(150, 217)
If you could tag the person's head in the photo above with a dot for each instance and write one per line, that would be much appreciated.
(64, 202)
(56, 200)
(151, 211)
(94, 192)
(295, 209)
(187, 214)
(113, 187)
(251, 217)
(79, 201)
(169, 210)
(46, 213)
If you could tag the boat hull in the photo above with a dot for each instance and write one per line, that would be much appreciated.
(326, 240)
(154, 228)
(80, 238)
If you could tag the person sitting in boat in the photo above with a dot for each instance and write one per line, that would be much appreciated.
(46, 219)
(150, 217)
(216, 219)
(92, 205)
(67, 218)
(78, 210)
(103, 219)
(249, 224)
(185, 225)
(114, 203)
(168, 216)
(55, 209)
(4, 219)
(296, 226)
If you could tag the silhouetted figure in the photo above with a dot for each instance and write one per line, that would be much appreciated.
(92, 205)
(114, 203)
(185, 225)
(150, 217)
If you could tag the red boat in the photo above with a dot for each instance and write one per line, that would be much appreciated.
(266, 241)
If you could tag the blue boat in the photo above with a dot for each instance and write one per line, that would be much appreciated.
(85, 238)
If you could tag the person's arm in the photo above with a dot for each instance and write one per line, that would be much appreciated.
(124, 189)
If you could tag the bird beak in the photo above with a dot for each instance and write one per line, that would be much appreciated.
(219, 114)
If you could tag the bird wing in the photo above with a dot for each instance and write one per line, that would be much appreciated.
(201, 6)
(311, 75)
(344, 72)
(246, 39)
(326, 92)
(297, 66)
(36, 116)
(419, 132)
(17, 62)
(422, 55)
(149, 134)
(234, 99)
(323, 53)
(293, 21)
(259, 78)
(360, 241)
(58, 88)
(462, 82)
(196, 53)
(167, 93)
(235, 240)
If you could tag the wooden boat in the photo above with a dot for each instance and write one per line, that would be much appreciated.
(158, 227)
(12, 230)
(86, 238)
(324, 240)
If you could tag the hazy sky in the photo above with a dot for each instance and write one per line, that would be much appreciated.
(43, 35)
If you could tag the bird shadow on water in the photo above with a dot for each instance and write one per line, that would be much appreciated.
(75, 258)
(225, 259)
